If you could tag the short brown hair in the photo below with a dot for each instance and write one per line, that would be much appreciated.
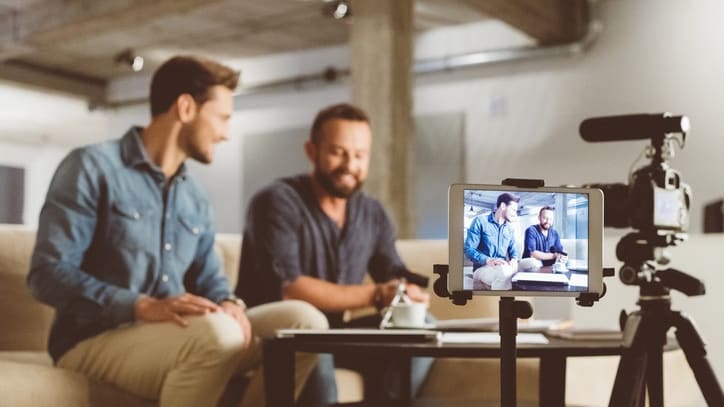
(506, 198)
(545, 208)
(186, 74)
(343, 111)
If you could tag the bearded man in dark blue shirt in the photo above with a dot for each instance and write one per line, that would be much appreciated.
(314, 237)
(542, 242)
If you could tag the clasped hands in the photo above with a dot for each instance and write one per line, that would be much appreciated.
(492, 261)
(174, 309)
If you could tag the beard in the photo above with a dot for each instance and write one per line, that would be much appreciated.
(327, 182)
(545, 226)
(198, 155)
(192, 147)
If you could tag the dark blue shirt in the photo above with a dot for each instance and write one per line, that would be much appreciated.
(287, 235)
(106, 235)
(536, 240)
(487, 238)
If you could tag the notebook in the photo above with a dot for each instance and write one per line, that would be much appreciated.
(361, 335)
(540, 278)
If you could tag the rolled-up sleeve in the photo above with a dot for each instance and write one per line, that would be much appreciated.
(472, 242)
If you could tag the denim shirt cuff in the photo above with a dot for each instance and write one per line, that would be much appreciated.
(121, 305)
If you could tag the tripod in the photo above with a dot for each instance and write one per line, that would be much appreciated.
(641, 365)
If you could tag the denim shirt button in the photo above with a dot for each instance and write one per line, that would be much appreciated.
(136, 215)
(167, 247)
(195, 230)
(164, 278)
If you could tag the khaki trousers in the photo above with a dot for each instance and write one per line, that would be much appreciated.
(191, 366)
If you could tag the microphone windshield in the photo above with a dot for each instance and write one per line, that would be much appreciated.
(632, 127)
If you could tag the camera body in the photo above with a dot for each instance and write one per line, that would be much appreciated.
(656, 199)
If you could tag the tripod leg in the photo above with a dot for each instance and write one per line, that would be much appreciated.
(694, 349)
(628, 388)
(654, 376)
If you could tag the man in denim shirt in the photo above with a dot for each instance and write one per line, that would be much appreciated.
(491, 240)
(124, 254)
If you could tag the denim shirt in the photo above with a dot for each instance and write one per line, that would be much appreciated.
(487, 238)
(106, 236)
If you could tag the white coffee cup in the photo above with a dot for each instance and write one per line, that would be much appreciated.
(409, 315)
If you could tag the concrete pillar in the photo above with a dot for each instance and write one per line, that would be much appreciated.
(381, 44)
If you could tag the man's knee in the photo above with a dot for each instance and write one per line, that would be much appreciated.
(217, 333)
(302, 315)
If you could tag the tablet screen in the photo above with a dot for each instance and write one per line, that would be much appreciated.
(515, 240)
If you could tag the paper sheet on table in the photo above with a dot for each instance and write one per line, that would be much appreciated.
(579, 280)
(490, 337)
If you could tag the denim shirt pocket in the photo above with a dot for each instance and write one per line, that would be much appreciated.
(189, 234)
(132, 226)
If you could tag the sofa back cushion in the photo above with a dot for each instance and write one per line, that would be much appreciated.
(419, 256)
(24, 322)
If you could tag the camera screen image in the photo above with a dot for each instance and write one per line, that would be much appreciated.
(525, 240)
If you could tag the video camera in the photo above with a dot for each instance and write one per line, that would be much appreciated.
(655, 201)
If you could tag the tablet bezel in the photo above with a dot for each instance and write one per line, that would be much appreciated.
(456, 240)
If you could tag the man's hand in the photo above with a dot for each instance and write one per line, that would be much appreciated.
(388, 290)
(494, 262)
(414, 292)
(238, 314)
(417, 294)
(151, 309)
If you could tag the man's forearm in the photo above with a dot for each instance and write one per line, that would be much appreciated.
(330, 297)
(536, 254)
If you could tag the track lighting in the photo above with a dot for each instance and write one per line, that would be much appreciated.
(129, 58)
(338, 10)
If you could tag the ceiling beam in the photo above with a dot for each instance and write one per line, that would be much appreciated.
(92, 89)
(550, 22)
(55, 21)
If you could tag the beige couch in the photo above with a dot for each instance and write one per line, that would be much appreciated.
(27, 377)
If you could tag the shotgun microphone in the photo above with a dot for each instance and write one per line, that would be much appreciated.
(632, 127)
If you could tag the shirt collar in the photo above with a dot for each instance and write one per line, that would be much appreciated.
(491, 219)
(134, 154)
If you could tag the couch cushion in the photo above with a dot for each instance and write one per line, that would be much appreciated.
(419, 256)
(25, 321)
(228, 248)
(29, 384)
(39, 358)
(482, 382)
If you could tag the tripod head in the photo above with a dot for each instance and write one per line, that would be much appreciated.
(636, 250)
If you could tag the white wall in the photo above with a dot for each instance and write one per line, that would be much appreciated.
(37, 129)
(39, 163)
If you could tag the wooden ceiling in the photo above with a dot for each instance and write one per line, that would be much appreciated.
(79, 39)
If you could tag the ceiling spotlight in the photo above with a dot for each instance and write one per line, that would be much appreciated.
(129, 58)
(338, 9)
